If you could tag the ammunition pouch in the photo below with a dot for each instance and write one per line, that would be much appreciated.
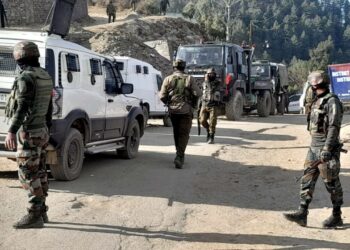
(11, 104)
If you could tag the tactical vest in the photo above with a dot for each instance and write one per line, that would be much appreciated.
(36, 116)
(179, 93)
(318, 123)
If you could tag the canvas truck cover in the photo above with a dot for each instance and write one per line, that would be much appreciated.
(340, 80)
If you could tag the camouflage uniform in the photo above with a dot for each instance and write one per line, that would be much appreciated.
(323, 157)
(30, 108)
(309, 97)
(209, 106)
(180, 92)
(325, 122)
(111, 11)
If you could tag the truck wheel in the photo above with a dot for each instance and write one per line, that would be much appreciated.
(234, 107)
(281, 105)
(70, 161)
(264, 104)
(167, 121)
(132, 142)
(273, 106)
(145, 115)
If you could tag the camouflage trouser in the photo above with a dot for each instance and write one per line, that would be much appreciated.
(31, 159)
(182, 124)
(210, 113)
(329, 172)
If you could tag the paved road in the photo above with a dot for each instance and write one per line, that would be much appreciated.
(230, 195)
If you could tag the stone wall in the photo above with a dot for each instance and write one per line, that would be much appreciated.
(27, 12)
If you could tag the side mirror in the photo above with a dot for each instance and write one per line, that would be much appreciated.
(127, 88)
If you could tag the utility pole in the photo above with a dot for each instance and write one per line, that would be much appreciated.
(228, 5)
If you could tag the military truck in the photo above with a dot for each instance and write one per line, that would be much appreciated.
(274, 77)
(233, 64)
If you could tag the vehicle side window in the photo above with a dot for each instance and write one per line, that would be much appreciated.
(72, 62)
(145, 70)
(159, 82)
(110, 80)
(50, 63)
(95, 65)
(120, 65)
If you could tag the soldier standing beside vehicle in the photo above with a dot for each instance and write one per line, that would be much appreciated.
(29, 107)
(111, 11)
(180, 92)
(209, 104)
(323, 157)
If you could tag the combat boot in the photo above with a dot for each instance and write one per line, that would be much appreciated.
(31, 220)
(334, 220)
(208, 136)
(44, 210)
(211, 139)
(299, 216)
(179, 161)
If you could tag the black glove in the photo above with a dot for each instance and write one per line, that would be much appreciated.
(325, 156)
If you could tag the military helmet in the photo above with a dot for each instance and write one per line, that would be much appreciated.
(211, 71)
(179, 63)
(25, 49)
(317, 77)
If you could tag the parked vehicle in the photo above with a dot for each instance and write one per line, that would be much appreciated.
(233, 64)
(274, 77)
(340, 81)
(147, 83)
(91, 110)
(294, 103)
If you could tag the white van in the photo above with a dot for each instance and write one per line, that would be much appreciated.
(91, 111)
(147, 83)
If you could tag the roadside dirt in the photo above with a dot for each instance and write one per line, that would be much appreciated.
(230, 195)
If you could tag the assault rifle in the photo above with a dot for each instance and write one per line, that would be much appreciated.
(199, 106)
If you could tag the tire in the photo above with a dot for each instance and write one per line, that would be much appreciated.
(273, 105)
(132, 142)
(145, 115)
(234, 107)
(70, 161)
(281, 105)
(167, 121)
(264, 104)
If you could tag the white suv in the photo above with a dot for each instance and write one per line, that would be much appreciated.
(91, 110)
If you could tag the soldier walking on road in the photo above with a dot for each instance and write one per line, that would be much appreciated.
(180, 92)
(209, 104)
(111, 11)
(323, 157)
(163, 6)
(29, 107)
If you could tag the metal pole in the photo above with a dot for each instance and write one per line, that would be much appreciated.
(250, 32)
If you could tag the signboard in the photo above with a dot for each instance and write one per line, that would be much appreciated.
(340, 80)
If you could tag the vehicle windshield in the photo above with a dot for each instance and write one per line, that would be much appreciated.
(209, 55)
(260, 70)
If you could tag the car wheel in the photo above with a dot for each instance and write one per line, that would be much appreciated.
(132, 142)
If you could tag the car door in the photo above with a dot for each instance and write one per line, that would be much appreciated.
(157, 84)
(116, 109)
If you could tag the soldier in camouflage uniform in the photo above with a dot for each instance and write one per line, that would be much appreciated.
(180, 92)
(111, 11)
(323, 157)
(209, 103)
(29, 107)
